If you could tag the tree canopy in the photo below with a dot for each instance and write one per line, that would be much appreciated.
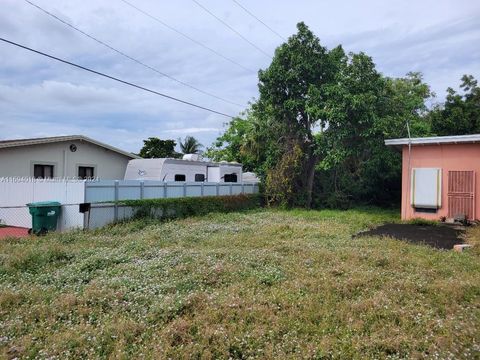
(190, 145)
(460, 114)
(154, 147)
(316, 133)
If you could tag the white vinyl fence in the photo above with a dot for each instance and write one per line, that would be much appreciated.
(14, 195)
(114, 190)
(97, 193)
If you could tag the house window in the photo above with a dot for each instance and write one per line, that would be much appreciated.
(230, 177)
(86, 172)
(180, 177)
(42, 171)
(199, 177)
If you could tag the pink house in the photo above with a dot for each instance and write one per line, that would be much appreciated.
(439, 176)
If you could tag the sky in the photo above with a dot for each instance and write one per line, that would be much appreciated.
(40, 97)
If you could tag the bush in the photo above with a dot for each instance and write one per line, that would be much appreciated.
(171, 208)
(422, 222)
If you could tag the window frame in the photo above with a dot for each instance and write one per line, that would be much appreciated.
(184, 177)
(43, 164)
(94, 170)
(202, 176)
(233, 175)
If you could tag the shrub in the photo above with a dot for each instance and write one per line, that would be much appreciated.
(422, 222)
(171, 208)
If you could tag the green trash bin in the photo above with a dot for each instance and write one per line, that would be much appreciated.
(44, 216)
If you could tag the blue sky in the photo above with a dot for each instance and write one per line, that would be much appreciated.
(39, 97)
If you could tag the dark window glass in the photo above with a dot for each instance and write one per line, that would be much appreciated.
(180, 177)
(199, 177)
(230, 177)
(42, 171)
(85, 172)
(426, 210)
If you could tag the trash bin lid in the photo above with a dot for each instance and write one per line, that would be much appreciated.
(44, 203)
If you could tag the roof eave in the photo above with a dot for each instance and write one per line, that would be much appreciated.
(49, 140)
(435, 140)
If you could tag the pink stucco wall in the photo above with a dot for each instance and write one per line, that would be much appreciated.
(460, 157)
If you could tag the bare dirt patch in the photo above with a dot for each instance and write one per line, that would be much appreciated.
(440, 236)
(11, 231)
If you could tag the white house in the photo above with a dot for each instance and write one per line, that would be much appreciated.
(73, 156)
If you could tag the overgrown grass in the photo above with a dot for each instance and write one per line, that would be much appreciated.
(423, 222)
(257, 284)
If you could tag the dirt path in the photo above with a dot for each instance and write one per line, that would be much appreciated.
(10, 231)
(440, 237)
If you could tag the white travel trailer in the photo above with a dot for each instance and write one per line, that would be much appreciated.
(190, 168)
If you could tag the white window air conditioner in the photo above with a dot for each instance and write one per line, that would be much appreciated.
(426, 188)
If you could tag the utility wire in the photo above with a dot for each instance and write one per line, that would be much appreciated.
(232, 29)
(259, 20)
(213, 51)
(114, 78)
(130, 57)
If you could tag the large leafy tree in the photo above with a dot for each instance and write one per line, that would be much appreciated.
(460, 114)
(190, 145)
(280, 120)
(154, 147)
(300, 69)
(363, 109)
(326, 113)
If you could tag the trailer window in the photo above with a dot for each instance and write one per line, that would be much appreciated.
(230, 177)
(199, 177)
(180, 177)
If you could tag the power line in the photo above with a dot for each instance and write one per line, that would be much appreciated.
(213, 51)
(232, 29)
(130, 57)
(259, 20)
(115, 78)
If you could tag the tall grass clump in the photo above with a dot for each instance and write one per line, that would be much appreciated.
(172, 208)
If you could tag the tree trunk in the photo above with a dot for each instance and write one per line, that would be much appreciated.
(312, 162)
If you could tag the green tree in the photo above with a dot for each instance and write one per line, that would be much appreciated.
(154, 147)
(300, 69)
(363, 109)
(460, 114)
(190, 145)
(236, 144)
(326, 113)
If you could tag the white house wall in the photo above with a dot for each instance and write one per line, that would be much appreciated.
(19, 161)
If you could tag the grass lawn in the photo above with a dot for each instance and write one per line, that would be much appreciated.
(259, 284)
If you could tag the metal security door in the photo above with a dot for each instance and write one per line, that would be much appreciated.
(461, 194)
